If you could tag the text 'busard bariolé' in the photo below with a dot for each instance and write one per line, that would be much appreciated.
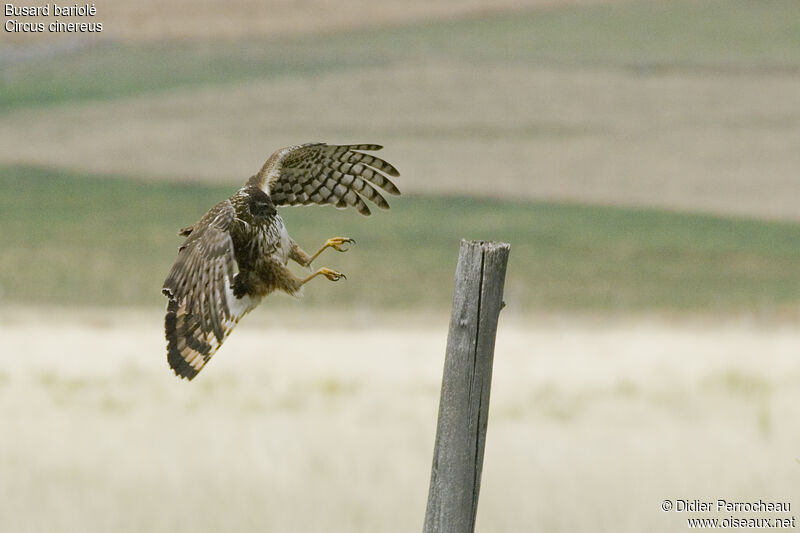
(13, 25)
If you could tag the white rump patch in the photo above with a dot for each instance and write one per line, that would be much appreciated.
(238, 306)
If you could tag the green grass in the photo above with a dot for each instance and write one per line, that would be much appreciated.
(674, 34)
(76, 239)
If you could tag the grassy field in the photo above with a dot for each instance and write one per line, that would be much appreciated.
(332, 428)
(680, 105)
(110, 241)
(647, 350)
(683, 34)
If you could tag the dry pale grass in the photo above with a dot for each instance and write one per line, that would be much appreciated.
(158, 20)
(297, 428)
(713, 141)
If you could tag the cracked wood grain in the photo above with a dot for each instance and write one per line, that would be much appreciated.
(466, 383)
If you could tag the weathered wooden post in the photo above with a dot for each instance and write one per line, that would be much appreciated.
(467, 378)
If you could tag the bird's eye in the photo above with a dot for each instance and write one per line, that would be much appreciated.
(262, 208)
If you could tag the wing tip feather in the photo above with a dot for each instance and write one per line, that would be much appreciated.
(176, 360)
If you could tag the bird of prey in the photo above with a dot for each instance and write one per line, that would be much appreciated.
(237, 253)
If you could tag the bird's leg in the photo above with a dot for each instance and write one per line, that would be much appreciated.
(327, 272)
(299, 256)
(279, 277)
(337, 243)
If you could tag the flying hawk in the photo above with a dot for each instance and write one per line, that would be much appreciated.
(237, 253)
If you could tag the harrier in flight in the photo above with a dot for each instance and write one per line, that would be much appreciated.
(237, 253)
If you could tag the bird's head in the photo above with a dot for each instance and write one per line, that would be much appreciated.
(259, 203)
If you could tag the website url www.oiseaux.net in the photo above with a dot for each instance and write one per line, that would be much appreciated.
(741, 523)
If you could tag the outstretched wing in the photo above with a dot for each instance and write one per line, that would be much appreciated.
(202, 309)
(318, 173)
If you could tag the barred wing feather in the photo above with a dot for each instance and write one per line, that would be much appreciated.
(323, 174)
(202, 310)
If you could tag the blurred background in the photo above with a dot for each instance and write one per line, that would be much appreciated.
(641, 157)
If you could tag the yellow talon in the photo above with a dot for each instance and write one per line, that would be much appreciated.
(332, 274)
(327, 272)
(338, 243)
